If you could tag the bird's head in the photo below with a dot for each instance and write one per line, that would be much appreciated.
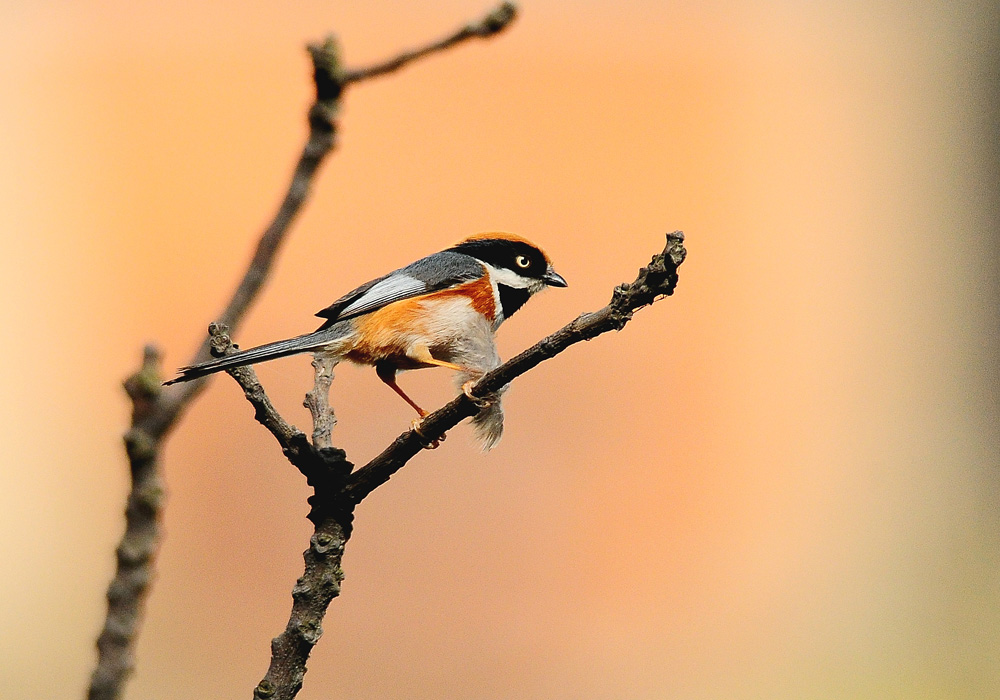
(513, 262)
(519, 267)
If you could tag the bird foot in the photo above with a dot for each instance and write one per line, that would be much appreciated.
(479, 401)
(428, 444)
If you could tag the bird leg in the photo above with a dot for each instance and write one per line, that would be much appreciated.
(387, 373)
(428, 444)
(421, 353)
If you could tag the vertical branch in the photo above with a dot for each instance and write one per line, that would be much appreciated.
(326, 469)
(311, 596)
(318, 403)
(137, 549)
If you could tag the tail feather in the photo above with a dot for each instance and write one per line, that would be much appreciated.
(262, 353)
(488, 425)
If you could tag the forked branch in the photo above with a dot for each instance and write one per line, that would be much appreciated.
(337, 490)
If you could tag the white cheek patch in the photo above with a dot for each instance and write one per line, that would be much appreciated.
(501, 275)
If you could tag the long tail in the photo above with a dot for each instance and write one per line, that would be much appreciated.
(262, 353)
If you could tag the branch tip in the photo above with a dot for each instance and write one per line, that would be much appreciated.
(496, 21)
(151, 354)
(328, 73)
(220, 344)
(143, 387)
(318, 402)
(675, 249)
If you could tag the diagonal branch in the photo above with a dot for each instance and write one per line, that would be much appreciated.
(656, 280)
(493, 23)
(323, 465)
(156, 409)
(327, 77)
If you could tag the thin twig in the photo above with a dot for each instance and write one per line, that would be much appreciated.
(287, 435)
(495, 22)
(322, 466)
(318, 402)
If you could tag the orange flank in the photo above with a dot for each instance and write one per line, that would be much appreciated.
(381, 335)
(384, 335)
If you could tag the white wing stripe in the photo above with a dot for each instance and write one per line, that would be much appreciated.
(392, 288)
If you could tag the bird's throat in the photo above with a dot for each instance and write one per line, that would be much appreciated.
(512, 299)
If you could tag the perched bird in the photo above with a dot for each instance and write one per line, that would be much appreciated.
(440, 311)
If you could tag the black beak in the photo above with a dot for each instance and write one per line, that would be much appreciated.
(553, 278)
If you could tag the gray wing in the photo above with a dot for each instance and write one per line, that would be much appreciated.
(431, 274)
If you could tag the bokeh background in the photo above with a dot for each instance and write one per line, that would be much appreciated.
(780, 483)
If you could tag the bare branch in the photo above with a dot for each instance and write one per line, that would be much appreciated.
(495, 22)
(326, 469)
(311, 596)
(284, 432)
(327, 77)
(135, 553)
(656, 280)
(321, 466)
(318, 402)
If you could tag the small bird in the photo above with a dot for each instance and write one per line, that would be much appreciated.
(440, 311)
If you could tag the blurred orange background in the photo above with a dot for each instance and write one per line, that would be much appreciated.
(780, 483)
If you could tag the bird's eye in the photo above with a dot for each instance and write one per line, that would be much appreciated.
(522, 261)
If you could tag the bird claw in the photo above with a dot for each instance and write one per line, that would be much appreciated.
(478, 401)
(428, 444)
